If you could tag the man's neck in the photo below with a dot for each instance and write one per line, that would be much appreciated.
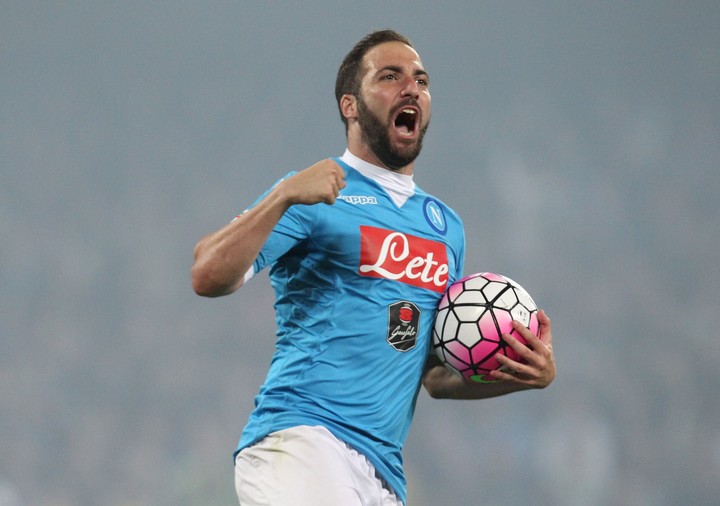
(363, 152)
(400, 187)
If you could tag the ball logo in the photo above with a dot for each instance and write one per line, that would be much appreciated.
(403, 257)
(403, 324)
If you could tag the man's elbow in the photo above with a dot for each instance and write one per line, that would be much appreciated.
(435, 393)
(204, 284)
(201, 284)
(436, 389)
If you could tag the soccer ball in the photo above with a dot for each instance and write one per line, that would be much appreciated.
(473, 315)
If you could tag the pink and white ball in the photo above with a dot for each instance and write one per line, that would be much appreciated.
(472, 316)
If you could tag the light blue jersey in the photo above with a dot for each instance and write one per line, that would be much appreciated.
(357, 284)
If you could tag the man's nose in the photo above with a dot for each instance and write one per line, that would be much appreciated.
(411, 88)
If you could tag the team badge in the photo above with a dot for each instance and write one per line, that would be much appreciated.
(403, 324)
(435, 215)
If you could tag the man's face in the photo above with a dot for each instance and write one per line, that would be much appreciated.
(394, 104)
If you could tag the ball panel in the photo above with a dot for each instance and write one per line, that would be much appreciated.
(484, 355)
(468, 313)
(504, 320)
(469, 297)
(468, 335)
(524, 298)
(473, 283)
(454, 290)
(534, 325)
(493, 289)
(457, 355)
(450, 330)
(488, 327)
(507, 299)
(492, 276)
(521, 313)
(444, 301)
(440, 318)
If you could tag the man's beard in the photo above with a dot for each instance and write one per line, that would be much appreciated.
(377, 136)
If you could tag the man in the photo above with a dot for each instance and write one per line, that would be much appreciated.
(359, 257)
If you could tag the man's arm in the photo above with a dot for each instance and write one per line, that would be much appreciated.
(537, 370)
(223, 257)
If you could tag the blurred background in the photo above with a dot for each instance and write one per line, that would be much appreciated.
(579, 140)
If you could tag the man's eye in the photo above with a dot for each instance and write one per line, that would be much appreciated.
(389, 77)
(422, 82)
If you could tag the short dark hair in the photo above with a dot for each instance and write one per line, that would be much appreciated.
(348, 76)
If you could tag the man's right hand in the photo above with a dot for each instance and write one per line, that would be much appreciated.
(321, 182)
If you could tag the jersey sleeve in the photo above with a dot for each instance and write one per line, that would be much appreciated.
(294, 226)
(460, 255)
(457, 244)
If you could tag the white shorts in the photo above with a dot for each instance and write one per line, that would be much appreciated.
(307, 466)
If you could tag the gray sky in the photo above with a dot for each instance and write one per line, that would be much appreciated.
(579, 140)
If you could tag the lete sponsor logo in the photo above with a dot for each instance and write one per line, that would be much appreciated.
(403, 257)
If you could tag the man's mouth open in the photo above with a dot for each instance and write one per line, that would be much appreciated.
(406, 122)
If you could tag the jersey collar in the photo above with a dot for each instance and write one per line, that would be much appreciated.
(400, 187)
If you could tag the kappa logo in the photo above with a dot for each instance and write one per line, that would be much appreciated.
(403, 257)
(358, 199)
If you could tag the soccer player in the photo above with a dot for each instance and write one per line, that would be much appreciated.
(359, 256)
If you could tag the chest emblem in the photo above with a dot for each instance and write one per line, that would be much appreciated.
(403, 324)
(435, 215)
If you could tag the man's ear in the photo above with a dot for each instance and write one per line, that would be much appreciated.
(348, 106)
